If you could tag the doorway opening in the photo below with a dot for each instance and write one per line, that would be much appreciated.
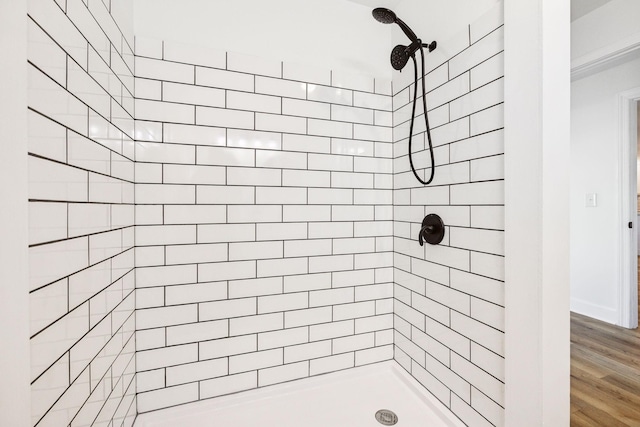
(630, 208)
(636, 285)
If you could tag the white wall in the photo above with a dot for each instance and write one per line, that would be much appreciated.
(595, 154)
(439, 21)
(333, 34)
(471, 259)
(446, 23)
(256, 196)
(594, 169)
(14, 302)
(122, 11)
(80, 216)
(447, 322)
(537, 153)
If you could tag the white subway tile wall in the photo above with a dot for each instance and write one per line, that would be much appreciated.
(259, 218)
(81, 217)
(449, 299)
(261, 256)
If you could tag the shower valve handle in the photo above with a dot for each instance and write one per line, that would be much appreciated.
(428, 229)
(432, 230)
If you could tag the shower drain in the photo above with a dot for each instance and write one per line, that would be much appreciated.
(386, 417)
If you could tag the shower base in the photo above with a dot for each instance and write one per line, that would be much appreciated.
(346, 398)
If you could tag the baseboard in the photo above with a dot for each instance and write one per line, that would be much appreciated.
(595, 311)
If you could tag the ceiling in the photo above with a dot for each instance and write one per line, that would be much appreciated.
(580, 8)
(389, 4)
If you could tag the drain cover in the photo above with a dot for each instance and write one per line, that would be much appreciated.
(386, 417)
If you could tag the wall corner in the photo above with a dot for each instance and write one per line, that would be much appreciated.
(14, 303)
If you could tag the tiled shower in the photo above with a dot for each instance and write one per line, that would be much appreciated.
(263, 222)
(205, 222)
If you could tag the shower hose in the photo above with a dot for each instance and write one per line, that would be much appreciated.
(426, 118)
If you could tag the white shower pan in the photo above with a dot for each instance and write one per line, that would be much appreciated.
(348, 398)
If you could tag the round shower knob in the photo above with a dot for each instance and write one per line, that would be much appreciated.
(432, 230)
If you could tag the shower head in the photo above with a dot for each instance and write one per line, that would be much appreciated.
(383, 15)
(387, 16)
(399, 57)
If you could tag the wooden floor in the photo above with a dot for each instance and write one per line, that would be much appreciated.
(605, 374)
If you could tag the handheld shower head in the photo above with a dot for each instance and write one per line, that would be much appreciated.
(384, 16)
(387, 16)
